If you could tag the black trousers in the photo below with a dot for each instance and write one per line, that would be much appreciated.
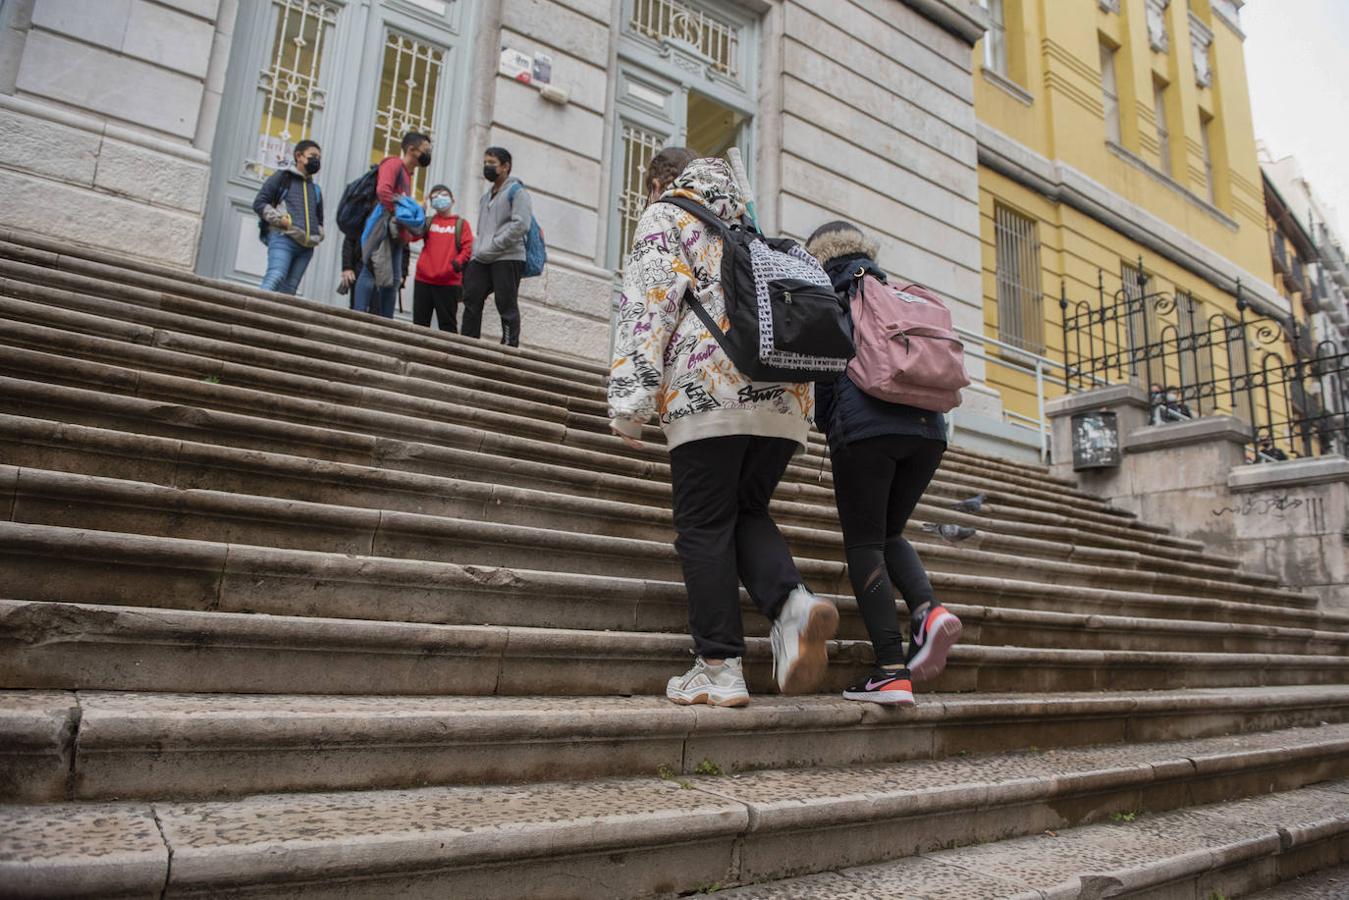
(501, 279)
(442, 299)
(877, 484)
(724, 535)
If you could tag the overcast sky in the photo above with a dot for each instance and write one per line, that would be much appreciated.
(1299, 75)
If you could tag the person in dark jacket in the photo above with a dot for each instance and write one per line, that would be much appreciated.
(884, 455)
(351, 268)
(290, 207)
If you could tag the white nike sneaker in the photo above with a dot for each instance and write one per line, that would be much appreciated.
(715, 685)
(799, 638)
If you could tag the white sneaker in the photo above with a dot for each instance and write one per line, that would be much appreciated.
(803, 628)
(719, 685)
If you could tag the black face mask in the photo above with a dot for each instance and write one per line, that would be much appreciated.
(424, 159)
(489, 172)
(312, 166)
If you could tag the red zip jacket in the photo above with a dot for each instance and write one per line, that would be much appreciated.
(390, 181)
(436, 263)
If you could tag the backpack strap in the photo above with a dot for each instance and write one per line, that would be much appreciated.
(458, 232)
(699, 212)
(706, 318)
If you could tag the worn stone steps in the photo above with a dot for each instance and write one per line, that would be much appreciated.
(51, 444)
(69, 646)
(288, 421)
(53, 563)
(1210, 852)
(616, 546)
(235, 374)
(645, 836)
(1034, 479)
(37, 260)
(98, 745)
(160, 461)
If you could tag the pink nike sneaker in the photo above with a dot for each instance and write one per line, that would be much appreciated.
(931, 641)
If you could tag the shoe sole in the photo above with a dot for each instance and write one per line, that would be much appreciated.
(884, 698)
(931, 660)
(807, 671)
(706, 698)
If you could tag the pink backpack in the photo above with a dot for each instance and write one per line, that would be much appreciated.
(906, 350)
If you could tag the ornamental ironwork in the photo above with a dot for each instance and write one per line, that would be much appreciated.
(716, 39)
(291, 83)
(1265, 371)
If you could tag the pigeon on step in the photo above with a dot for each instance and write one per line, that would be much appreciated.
(951, 533)
(971, 504)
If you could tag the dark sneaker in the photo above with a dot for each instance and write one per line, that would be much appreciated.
(931, 640)
(883, 686)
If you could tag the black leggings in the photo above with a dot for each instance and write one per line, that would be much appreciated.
(724, 534)
(877, 484)
(442, 299)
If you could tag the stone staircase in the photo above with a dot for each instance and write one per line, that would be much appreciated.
(300, 602)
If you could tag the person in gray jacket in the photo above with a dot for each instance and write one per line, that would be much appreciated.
(504, 215)
(290, 209)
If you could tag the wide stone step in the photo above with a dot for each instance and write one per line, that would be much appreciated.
(241, 382)
(160, 461)
(44, 443)
(52, 563)
(168, 406)
(67, 646)
(92, 745)
(645, 836)
(34, 259)
(1216, 851)
(44, 497)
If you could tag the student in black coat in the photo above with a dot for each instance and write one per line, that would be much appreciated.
(884, 456)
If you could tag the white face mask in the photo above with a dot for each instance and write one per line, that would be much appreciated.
(441, 202)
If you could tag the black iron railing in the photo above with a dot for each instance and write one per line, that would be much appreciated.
(1265, 371)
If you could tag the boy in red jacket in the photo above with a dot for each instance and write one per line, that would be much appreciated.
(440, 268)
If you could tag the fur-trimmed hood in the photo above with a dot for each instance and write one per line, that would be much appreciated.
(842, 239)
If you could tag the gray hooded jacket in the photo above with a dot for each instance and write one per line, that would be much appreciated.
(503, 222)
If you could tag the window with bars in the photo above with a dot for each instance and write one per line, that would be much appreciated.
(1110, 93)
(1163, 127)
(408, 86)
(290, 84)
(639, 145)
(716, 38)
(995, 39)
(1020, 300)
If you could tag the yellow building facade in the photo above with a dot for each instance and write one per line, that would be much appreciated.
(1112, 131)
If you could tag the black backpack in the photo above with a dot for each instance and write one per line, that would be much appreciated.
(786, 322)
(357, 200)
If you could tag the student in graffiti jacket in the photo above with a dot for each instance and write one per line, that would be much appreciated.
(730, 441)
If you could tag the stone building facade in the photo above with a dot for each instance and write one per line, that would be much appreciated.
(146, 126)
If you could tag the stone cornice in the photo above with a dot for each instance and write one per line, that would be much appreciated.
(1229, 13)
(963, 18)
(1064, 184)
(1201, 38)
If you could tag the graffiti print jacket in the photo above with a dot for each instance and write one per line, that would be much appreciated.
(666, 364)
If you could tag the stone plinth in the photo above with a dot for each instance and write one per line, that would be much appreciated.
(1287, 519)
